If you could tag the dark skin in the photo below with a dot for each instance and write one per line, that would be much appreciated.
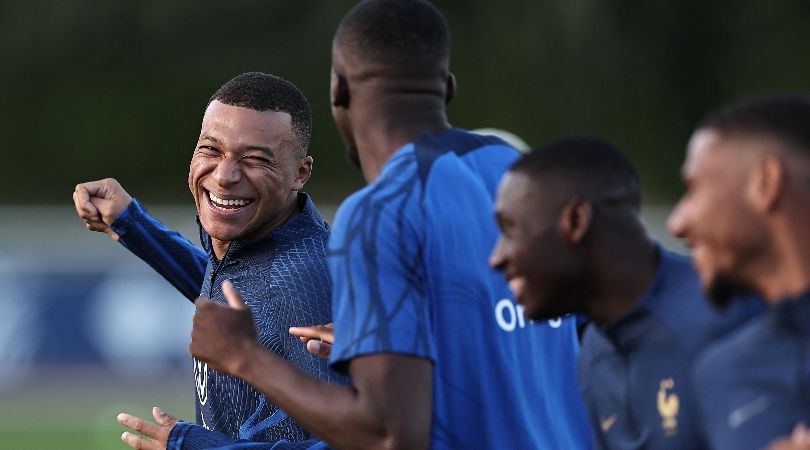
(744, 213)
(390, 401)
(608, 260)
(224, 337)
(745, 217)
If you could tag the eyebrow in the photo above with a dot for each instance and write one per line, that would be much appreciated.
(262, 148)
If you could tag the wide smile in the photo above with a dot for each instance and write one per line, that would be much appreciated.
(226, 206)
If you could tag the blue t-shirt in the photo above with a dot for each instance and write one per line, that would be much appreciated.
(408, 257)
(634, 371)
(754, 386)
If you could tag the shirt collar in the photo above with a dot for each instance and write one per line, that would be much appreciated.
(794, 312)
(307, 213)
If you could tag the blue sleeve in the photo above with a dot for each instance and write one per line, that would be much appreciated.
(380, 299)
(186, 436)
(165, 250)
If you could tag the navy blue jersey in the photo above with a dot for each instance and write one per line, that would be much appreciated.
(284, 280)
(194, 437)
(173, 256)
(634, 371)
(754, 385)
(408, 257)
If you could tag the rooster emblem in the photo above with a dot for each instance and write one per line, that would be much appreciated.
(668, 406)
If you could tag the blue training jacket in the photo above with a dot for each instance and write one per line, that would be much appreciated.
(284, 280)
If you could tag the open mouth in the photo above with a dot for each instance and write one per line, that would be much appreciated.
(228, 203)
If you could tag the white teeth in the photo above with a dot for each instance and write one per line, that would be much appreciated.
(516, 284)
(223, 202)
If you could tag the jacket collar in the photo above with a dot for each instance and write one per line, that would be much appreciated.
(307, 213)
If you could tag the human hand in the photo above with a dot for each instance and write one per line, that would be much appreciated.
(154, 435)
(99, 203)
(798, 440)
(318, 338)
(223, 335)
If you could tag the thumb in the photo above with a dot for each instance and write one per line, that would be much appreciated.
(800, 434)
(162, 418)
(319, 348)
(235, 300)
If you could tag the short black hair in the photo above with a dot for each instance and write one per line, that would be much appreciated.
(403, 34)
(264, 92)
(785, 117)
(593, 166)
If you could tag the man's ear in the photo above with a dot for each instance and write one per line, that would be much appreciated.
(303, 174)
(575, 220)
(451, 89)
(339, 92)
(766, 183)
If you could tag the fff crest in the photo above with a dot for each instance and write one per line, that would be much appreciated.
(668, 406)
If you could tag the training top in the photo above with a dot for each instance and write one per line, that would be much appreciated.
(635, 371)
(285, 282)
(754, 385)
(408, 257)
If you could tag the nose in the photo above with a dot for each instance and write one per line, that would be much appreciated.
(497, 259)
(228, 172)
(677, 222)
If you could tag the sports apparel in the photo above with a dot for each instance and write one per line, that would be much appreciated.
(173, 256)
(285, 282)
(408, 257)
(754, 385)
(634, 371)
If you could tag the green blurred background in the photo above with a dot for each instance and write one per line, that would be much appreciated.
(98, 88)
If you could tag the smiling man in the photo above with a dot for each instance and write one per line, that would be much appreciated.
(745, 214)
(259, 231)
(572, 241)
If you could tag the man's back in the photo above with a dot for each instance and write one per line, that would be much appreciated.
(408, 258)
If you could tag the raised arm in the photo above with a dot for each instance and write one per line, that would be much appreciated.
(106, 207)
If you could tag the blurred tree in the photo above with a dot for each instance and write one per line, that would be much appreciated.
(117, 88)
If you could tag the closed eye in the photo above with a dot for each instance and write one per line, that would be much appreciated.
(259, 159)
(208, 150)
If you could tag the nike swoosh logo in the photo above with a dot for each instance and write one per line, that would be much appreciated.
(742, 414)
(606, 424)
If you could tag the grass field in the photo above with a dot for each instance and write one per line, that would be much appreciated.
(79, 413)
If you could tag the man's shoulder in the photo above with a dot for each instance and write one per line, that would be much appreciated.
(395, 196)
(728, 355)
(461, 154)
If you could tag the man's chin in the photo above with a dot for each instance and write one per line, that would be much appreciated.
(541, 313)
(224, 233)
(724, 290)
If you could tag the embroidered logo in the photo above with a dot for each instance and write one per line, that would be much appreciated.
(201, 380)
(668, 406)
(607, 424)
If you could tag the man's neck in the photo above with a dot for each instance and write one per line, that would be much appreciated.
(626, 270)
(220, 248)
(391, 124)
(784, 271)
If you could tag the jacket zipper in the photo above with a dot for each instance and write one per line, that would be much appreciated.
(216, 271)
